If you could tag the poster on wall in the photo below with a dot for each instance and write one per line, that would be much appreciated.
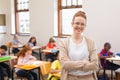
(2, 23)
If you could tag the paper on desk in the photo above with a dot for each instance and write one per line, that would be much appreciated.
(36, 47)
(34, 62)
(118, 57)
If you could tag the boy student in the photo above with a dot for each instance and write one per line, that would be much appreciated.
(106, 53)
(3, 49)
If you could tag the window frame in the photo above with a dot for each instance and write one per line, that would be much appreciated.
(16, 11)
(60, 7)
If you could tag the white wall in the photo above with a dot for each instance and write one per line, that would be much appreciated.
(42, 19)
(5, 8)
(103, 22)
(41, 24)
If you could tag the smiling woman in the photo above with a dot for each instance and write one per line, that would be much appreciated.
(78, 53)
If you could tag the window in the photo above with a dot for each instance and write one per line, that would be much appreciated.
(22, 18)
(66, 10)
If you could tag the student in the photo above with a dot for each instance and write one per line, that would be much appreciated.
(3, 66)
(55, 68)
(52, 46)
(78, 54)
(106, 53)
(15, 44)
(24, 57)
(32, 42)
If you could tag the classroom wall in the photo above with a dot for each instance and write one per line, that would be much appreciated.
(5, 9)
(42, 19)
(102, 25)
(103, 22)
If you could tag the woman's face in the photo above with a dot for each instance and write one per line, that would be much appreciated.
(29, 52)
(79, 25)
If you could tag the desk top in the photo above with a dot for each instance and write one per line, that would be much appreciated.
(26, 67)
(18, 46)
(32, 65)
(36, 47)
(7, 58)
(49, 50)
(114, 58)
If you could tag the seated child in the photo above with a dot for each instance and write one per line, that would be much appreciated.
(3, 65)
(55, 68)
(51, 45)
(31, 43)
(105, 53)
(24, 57)
(15, 44)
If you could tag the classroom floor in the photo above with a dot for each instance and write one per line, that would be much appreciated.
(108, 72)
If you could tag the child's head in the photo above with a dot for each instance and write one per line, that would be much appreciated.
(15, 37)
(107, 46)
(33, 40)
(51, 40)
(25, 51)
(3, 49)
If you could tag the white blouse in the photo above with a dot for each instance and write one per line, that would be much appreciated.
(78, 52)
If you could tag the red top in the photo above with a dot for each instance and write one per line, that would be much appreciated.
(103, 62)
(51, 45)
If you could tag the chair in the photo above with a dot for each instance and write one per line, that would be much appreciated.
(100, 67)
(9, 44)
(117, 72)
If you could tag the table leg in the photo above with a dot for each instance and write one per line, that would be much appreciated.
(13, 73)
(40, 74)
(112, 72)
(40, 54)
(9, 50)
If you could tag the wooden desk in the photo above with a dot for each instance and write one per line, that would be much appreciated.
(42, 67)
(112, 59)
(36, 47)
(50, 50)
(18, 46)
